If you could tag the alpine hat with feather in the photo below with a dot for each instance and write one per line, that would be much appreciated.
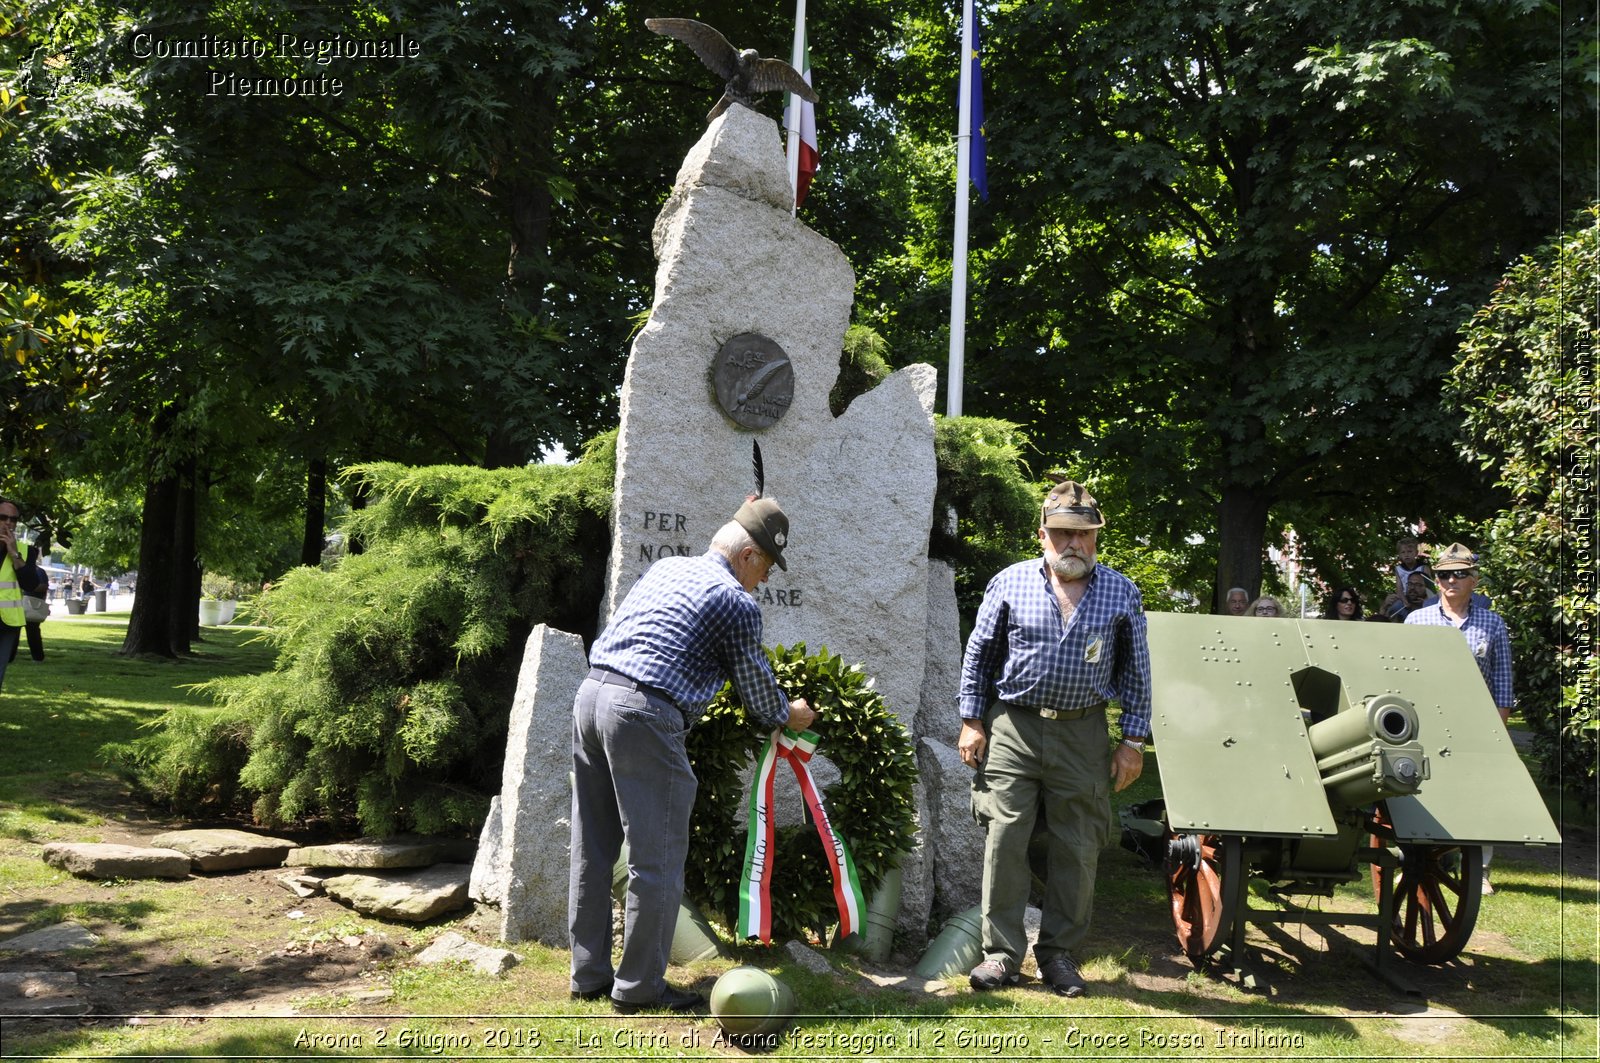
(763, 518)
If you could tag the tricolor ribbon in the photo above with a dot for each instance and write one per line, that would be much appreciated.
(755, 885)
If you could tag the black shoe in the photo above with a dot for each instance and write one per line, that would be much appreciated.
(670, 1000)
(592, 994)
(991, 974)
(1062, 976)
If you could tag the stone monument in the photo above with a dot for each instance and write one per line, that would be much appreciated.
(743, 346)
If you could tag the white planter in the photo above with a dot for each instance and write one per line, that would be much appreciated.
(210, 612)
(228, 606)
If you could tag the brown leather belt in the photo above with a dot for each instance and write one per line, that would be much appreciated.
(1057, 714)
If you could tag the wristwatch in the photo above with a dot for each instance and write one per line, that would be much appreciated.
(1135, 744)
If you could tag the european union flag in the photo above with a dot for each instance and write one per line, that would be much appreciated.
(978, 162)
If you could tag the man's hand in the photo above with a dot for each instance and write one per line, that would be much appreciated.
(973, 743)
(1127, 764)
(800, 715)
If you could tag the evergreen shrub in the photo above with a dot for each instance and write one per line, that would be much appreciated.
(396, 669)
(982, 478)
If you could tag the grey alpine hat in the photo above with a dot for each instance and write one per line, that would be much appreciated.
(764, 519)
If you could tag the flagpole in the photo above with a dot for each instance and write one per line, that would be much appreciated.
(792, 113)
(958, 272)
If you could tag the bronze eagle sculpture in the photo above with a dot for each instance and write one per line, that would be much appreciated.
(745, 72)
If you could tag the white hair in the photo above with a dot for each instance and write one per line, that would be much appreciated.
(731, 539)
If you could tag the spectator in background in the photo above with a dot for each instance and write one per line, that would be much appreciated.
(1393, 604)
(1344, 604)
(15, 578)
(1484, 631)
(1418, 586)
(1265, 606)
(1238, 601)
(1408, 561)
(40, 581)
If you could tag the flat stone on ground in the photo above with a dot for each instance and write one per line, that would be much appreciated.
(56, 938)
(301, 885)
(402, 850)
(100, 860)
(40, 993)
(412, 897)
(451, 947)
(225, 850)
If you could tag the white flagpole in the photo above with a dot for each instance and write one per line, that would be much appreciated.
(792, 114)
(958, 273)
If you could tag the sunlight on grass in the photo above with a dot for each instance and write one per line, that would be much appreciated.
(1524, 988)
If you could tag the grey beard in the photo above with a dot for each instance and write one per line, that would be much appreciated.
(1071, 568)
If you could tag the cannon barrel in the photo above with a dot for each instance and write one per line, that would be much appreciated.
(1369, 751)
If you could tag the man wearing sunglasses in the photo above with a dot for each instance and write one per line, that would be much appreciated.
(15, 577)
(1458, 607)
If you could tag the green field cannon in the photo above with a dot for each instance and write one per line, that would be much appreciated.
(1307, 753)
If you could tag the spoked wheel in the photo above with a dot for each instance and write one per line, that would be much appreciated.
(1436, 895)
(1202, 873)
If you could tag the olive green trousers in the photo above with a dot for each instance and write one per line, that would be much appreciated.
(1059, 769)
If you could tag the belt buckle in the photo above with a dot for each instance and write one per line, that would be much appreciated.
(1049, 714)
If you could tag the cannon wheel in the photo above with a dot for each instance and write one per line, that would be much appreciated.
(1436, 895)
(1203, 873)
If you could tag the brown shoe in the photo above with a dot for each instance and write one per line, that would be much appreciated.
(991, 974)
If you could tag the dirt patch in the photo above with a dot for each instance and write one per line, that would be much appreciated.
(236, 943)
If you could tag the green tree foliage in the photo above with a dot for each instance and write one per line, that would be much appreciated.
(983, 483)
(1229, 245)
(396, 670)
(1525, 381)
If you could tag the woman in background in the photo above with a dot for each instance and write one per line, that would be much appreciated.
(1345, 604)
(1265, 606)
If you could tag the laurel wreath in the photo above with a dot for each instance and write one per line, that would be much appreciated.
(871, 806)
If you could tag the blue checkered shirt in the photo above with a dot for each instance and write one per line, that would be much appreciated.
(1020, 649)
(1488, 640)
(687, 627)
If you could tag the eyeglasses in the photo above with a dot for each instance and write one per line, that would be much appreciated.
(1266, 610)
(10, 517)
(1455, 574)
(1347, 600)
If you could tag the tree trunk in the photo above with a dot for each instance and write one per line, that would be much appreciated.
(183, 622)
(360, 493)
(316, 512)
(1242, 532)
(165, 617)
(147, 624)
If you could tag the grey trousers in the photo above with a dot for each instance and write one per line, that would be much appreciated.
(1062, 768)
(631, 782)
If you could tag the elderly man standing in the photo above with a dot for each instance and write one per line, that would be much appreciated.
(1054, 639)
(1238, 601)
(688, 625)
(1457, 573)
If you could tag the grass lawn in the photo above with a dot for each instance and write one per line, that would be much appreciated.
(234, 966)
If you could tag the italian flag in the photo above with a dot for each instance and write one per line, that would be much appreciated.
(800, 118)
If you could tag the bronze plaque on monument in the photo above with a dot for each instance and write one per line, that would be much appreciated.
(754, 380)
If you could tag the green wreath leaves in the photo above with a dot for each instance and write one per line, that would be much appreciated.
(871, 806)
